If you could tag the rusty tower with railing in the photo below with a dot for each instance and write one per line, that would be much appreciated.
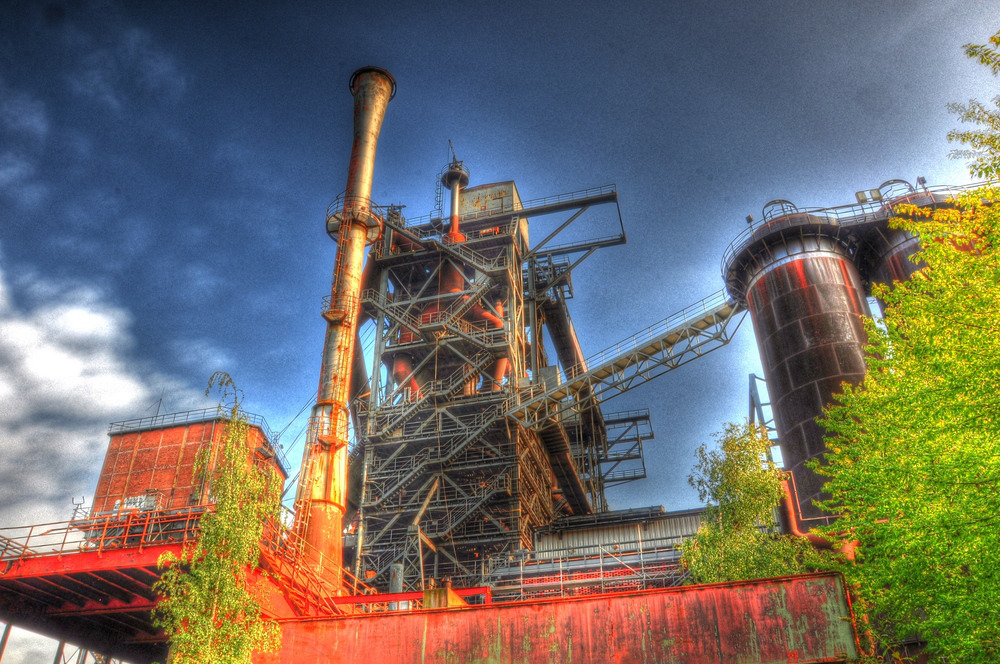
(448, 480)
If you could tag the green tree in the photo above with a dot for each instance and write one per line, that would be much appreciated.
(913, 460)
(737, 539)
(211, 609)
(984, 140)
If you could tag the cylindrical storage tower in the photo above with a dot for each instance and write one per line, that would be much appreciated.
(807, 302)
(890, 258)
(885, 254)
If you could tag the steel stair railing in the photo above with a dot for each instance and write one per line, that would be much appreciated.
(482, 423)
(499, 484)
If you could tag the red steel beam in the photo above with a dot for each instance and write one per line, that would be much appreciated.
(87, 561)
(97, 608)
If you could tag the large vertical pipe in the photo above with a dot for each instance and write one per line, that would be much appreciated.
(807, 303)
(322, 496)
(455, 178)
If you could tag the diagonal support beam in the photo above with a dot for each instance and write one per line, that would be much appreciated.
(679, 339)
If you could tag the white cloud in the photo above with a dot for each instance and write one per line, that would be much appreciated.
(18, 181)
(27, 647)
(65, 371)
(155, 68)
(15, 170)
(200, 355)
(22, 114)
(97, 80)
(111, 74)
(24, 126)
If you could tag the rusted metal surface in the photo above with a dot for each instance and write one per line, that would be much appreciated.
(808, 316)
(90, 581)
(99, 596)
(804, 274)
(152, 466)
(807, 301)
(795, 619)
(322, 494)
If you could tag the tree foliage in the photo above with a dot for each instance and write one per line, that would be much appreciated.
(984, 140)
(913, 460)
(211, 609)
(737, 538)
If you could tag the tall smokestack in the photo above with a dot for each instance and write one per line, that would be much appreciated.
(321, 500)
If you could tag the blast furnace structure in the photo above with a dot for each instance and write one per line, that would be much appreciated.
(444, 482)
(478, 421)
(481, 448)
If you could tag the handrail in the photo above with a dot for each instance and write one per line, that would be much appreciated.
(852, 215)
(200, 415)
(715, 310)
(186, 417)
(526, 206)
(124, 529)
(686, 315)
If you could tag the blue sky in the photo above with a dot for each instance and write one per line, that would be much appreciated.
(165, 168)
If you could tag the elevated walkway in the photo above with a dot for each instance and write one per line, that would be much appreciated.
(686, 335)
(91, 581)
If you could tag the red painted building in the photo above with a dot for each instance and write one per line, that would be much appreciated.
(152, 463)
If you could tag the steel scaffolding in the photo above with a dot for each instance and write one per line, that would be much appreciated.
(449, 479)
(458, 462)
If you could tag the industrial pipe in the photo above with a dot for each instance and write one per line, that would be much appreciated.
(456, 177)
(499, 368)
(322, 494)
(848, 547)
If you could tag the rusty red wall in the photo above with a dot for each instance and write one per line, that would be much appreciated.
(160, 463)
(796, 619)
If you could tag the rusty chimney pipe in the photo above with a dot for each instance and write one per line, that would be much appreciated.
(455, 178)
(321, 500)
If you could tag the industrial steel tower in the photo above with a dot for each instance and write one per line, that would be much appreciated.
(451, 484)
(481, 420)
(805, 276)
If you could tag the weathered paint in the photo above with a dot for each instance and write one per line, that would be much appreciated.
(795, 619)
(807, 303)
(158, 463)
(321, 500)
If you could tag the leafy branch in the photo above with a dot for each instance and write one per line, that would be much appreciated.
(213, 592)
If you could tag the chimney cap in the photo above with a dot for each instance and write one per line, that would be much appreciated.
(377, 70)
